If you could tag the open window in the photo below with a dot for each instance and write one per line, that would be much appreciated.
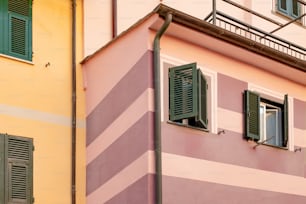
(188, 96)
(266, 121)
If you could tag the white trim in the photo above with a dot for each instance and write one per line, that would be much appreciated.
(280, 97)
(213, 87)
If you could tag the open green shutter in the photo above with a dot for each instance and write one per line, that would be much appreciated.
(19, 28)
(202, 100)
(285, 125)
(252, 115)
(19, 170)
(183, 92)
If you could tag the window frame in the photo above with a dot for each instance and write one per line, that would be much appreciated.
(289, 8)
(10, 46)
(212, 99)
(278, 98)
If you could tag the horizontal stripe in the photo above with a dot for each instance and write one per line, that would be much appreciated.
(134, 112)
(128, 147)
(40, 116)
(139, 192)
(230, 147)
(300, 137)
(230, 120)
(181, 191)
(125, 92)
(299, 114)
(230, 93)
(215, 172)
(136, 170)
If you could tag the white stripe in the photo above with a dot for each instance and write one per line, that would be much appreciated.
(134, 112)
(227, 174)
(230, 120)
(140, 167)
(30, 114)
(300, 137)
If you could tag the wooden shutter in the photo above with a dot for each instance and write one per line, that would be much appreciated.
(2, 169)
(285, 123)
(19, 28)
(19, 170)
(183, 92)
(252, 115)
(202, 100)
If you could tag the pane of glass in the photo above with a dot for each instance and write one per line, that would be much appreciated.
(271, 127)
(295, 8)
(283, 4)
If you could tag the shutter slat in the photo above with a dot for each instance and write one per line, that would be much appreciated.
(252, 115)
(182, 90)
(202, 120)
(285, 121)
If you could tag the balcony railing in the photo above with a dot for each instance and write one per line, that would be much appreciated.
(238, 27)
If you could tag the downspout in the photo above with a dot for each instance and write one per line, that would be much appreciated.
(157, 123)
(114, 18)
(73, 111)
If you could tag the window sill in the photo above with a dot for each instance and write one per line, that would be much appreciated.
(287, 17)
(278, 147)
(187, 126)
(16, 59)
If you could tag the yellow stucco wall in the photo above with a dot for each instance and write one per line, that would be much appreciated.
(35, 101)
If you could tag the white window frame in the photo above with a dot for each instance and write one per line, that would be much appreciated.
(278, 97)
(212, 120)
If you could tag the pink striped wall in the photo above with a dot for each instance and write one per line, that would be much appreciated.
(198, 166)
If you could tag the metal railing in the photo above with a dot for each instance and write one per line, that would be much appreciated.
(238, 27)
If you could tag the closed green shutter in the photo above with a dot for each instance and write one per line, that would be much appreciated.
(252, 115)
(19, 28)
(16, 175)
(202, 101)
(2, 169)
(183, 92)
(285, 125)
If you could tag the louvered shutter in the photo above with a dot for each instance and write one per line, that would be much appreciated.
(19, 28)
(183, 92)
(285, 119)
(19, 173)
(202, 101)
(2, 169)
(252, 115)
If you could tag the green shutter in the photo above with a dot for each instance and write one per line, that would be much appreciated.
(201, 119)
(19, 28)
(183, 92)
(19, 170)
(252, 115)
(285, 115)
(2, 169)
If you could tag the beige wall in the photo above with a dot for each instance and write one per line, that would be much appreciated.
(98, 17)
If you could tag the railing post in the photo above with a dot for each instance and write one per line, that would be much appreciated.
(214, 12)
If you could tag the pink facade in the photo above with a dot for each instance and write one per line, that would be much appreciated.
(216, 165)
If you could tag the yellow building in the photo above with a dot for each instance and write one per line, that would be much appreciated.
(40, 47)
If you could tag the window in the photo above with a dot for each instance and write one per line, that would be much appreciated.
(289, 8)
(16, 28)
(16, 169)
(266, 121)
(188, 96)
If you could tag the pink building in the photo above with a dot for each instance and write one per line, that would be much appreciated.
(216, 115)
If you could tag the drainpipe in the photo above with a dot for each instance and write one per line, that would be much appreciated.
(157, 125)
(114, 18)
(73, 111)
